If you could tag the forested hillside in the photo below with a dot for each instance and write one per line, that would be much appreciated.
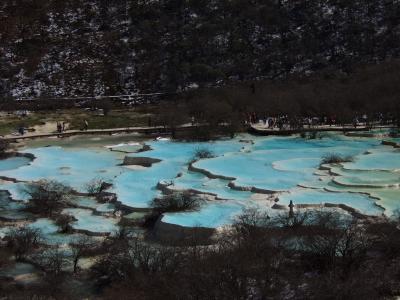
(99, 47)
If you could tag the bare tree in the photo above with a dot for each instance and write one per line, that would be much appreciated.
(80, 248)
(23, 241)
(96, 186)
(336, 244)
(297, 220)
(64, 222)
(251, 224)
(3, 147)
(47, 196)
(179, 201)
(53, 262)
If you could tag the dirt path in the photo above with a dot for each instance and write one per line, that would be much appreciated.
(48, 127)
(45, 129)
(49, 130)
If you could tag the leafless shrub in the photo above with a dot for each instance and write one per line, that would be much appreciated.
(54, 262)
(96, 186)
(47, 197)
(80, 247)
(334, 158)
(3, 147)
(202, 153)
(297, 220)
(179, 201)
(23, 241)
(64, 223)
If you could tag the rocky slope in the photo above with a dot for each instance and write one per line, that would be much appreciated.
(95, 47)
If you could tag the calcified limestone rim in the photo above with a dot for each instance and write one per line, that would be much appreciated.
(367, 185)
(305, 186)
(144, 147)
(329, 167)
(208, 173)
(278, 206)
(20, 154)
(166, 232)
(391, 143)
(231, 184)
(164, 187)
(358, 185)
(370, 195)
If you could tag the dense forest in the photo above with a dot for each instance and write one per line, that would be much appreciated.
(98, 47)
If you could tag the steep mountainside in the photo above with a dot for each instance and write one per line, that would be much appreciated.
(92, 47)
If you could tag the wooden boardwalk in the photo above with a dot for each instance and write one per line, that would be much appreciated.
(254, 129)
(161, 130)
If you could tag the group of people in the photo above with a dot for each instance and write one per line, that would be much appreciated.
(284, 122)
(61, 126)
(377, 118)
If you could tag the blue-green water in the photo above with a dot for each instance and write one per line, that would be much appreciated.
(287, 166)
(13, 163)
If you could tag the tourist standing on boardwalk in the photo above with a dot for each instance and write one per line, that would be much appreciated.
(59, 127)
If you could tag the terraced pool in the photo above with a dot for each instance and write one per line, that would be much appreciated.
(244, 172)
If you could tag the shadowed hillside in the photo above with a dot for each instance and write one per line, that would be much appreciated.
(92, 47)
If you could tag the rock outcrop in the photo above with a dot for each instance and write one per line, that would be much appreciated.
(172, 233)
(140, 161)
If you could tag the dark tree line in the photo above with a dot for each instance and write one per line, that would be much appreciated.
(309, 255)
(312, 256)
(107, 47)
(371, 90)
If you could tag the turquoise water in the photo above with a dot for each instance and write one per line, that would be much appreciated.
(18, 269)
(382, 159)
(72, 167)
(369, 184)
(13, 163)
(277, 169)
(11, 210)
(211, 215)
(91, 203)
(46, 226)
(363, 203)
(49, 231)
(138, 187)
(85, 202)
(16, 190)
(201, 183)
(86, 220)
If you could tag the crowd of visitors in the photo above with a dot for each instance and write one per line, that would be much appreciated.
(61, 126)
(286, 122)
